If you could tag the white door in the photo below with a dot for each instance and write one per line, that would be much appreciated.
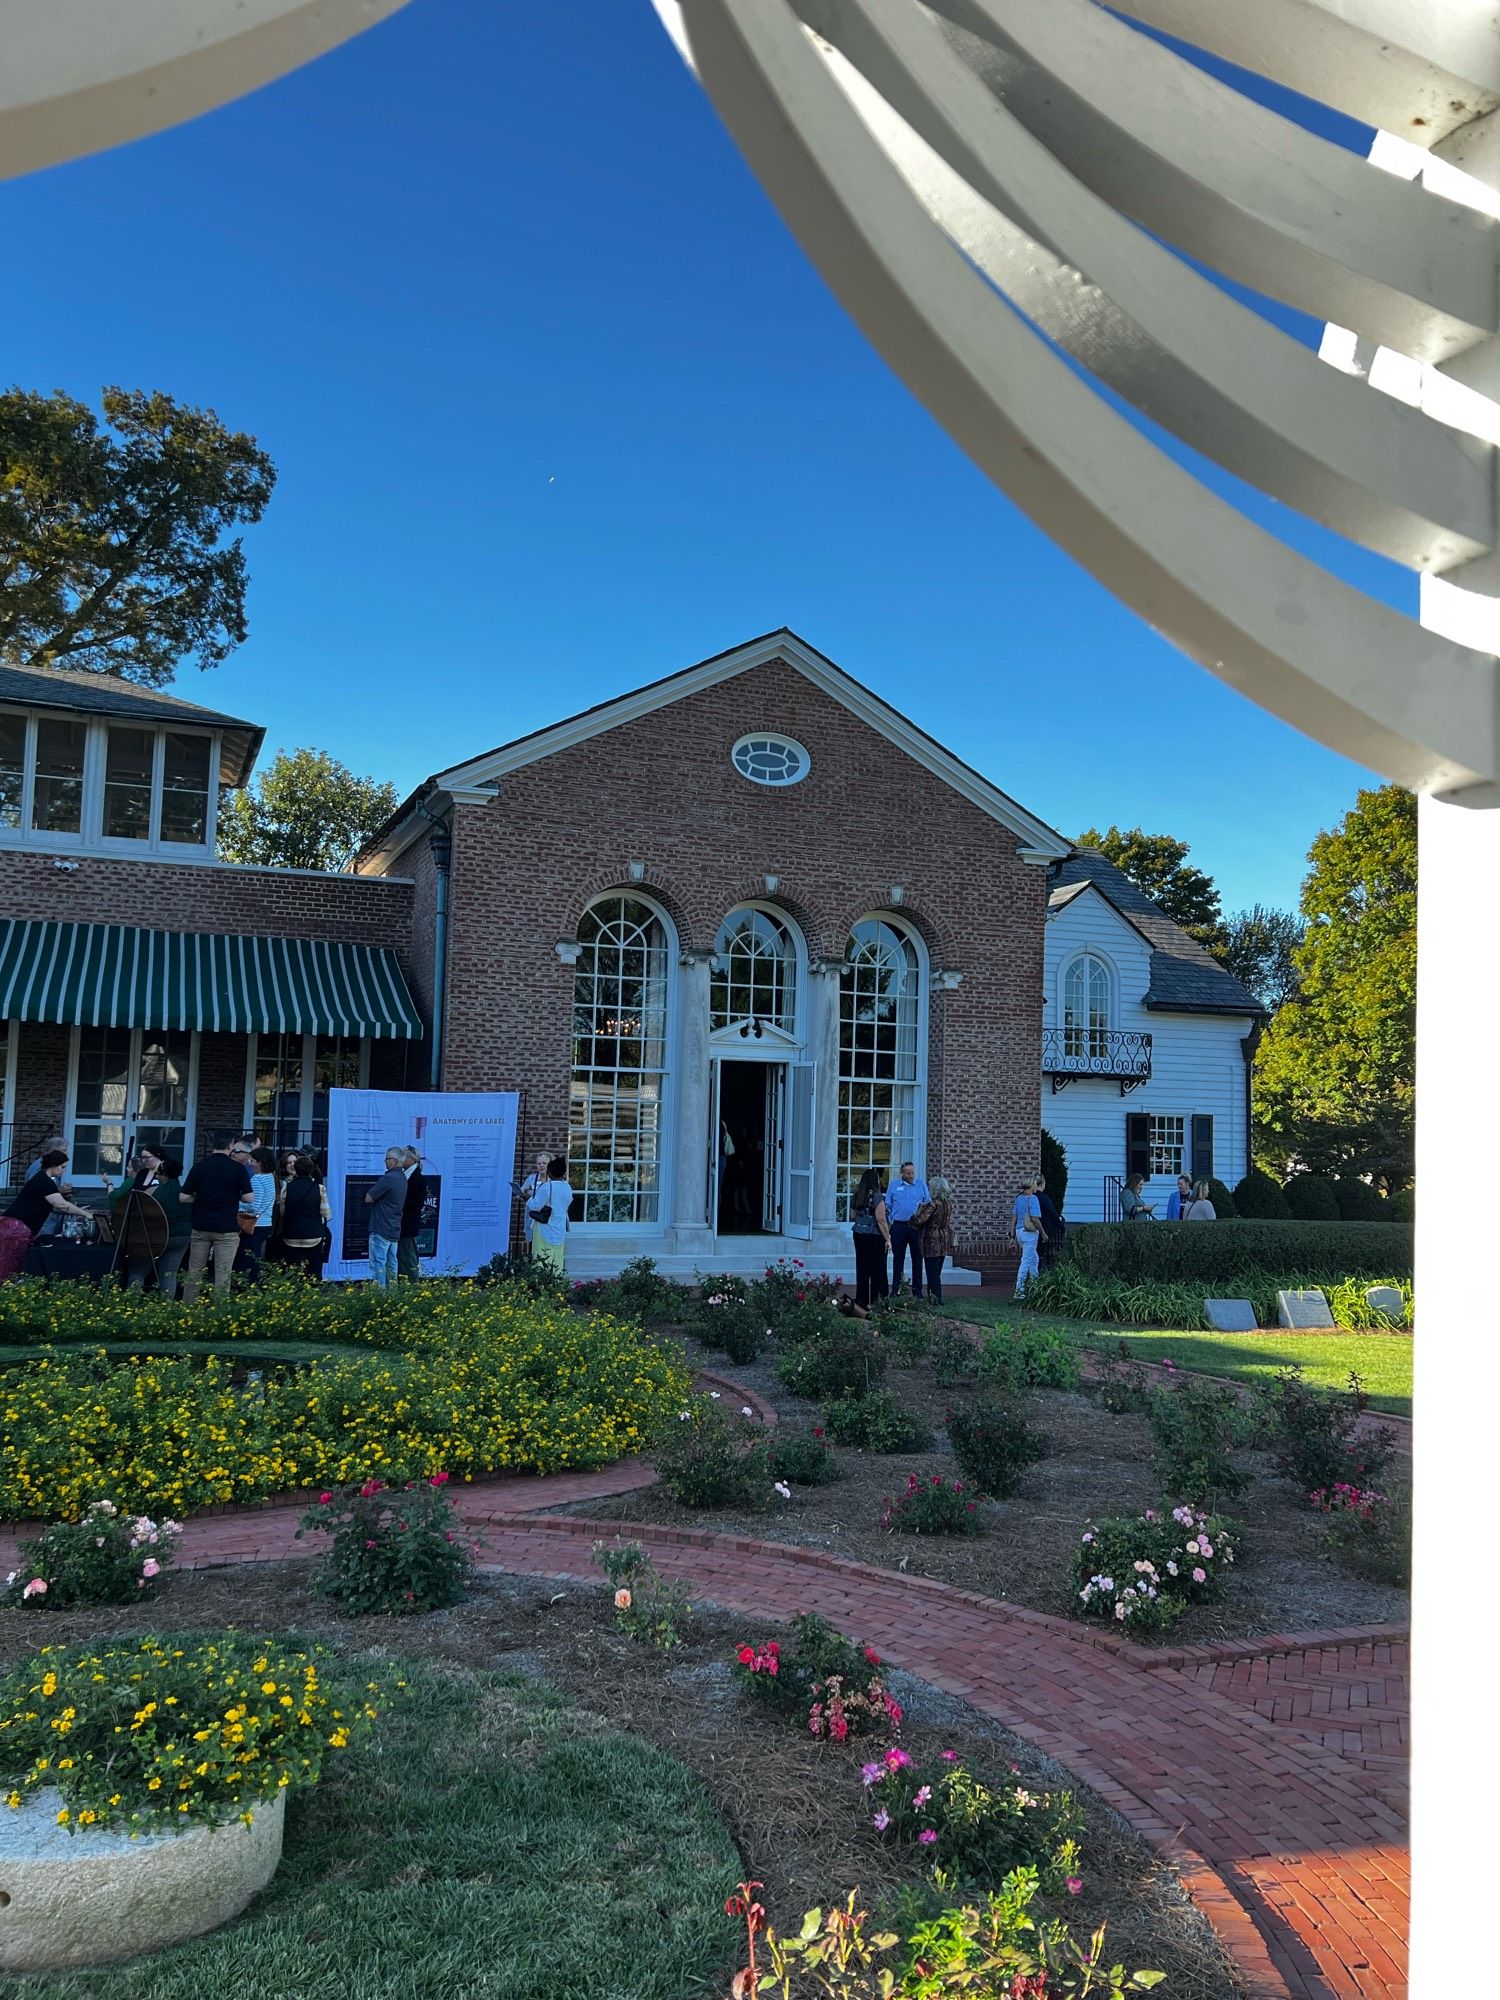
(799, 1151)
(715, 1145)
(773, 1160)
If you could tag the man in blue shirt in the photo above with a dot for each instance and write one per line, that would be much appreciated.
(1179, 1198)
(902, 1200)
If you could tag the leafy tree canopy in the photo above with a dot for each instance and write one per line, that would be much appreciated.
(1158, 866)
(1335, 1074)
(1259, 946)
(111, 551)
(306, 810)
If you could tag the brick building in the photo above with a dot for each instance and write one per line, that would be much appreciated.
(736, 936)
(733, 936)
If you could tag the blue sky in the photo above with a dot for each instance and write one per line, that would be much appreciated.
(558, 407)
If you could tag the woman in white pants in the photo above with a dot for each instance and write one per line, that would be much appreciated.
(1029, 1233)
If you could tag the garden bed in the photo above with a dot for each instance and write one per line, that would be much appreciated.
(404, 1873)
(1098, 1465)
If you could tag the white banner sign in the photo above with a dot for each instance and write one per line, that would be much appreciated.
(467, 1140)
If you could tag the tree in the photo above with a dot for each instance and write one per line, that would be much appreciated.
(111, 557)
(306, 811)
(1335, 1073)
(1259, 947)
(1157, 864)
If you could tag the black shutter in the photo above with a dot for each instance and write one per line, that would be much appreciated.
(1138, 1143)
(1203, 1147)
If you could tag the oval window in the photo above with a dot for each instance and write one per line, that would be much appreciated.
(768, 759)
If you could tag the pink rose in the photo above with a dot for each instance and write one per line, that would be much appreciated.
(1075, 1885)
(1200, 1576)
(927, 1836)
(150, 1567)
(36, 1588)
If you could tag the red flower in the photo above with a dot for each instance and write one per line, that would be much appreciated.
(370, 1487)
(872, 1656)
(438, 1479)
(817, 1430)
(324, 1499)
(745, 1655)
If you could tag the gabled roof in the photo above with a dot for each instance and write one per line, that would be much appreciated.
(1185, 979)
(107, 694)
(1038, 841)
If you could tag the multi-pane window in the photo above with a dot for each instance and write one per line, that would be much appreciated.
(129, 766)
(12, 768)
(1086, 1009)
(184, 788)
(770, 760)
(619, 1062)
(1167, 1140)
(755, 973)
(880, 1000)
(290, 1078)
(57, 786)
(132, 1089)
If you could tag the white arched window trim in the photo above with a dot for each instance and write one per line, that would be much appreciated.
(671, 1045)
(1079, 966)
(893, 920)
(721, 1038)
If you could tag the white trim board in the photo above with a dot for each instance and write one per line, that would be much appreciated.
(1039, 842)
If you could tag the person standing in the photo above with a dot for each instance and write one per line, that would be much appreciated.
(262, 1165)
(547, 1213)
(215, 1188)
(1179, 1198)
(408, 1248)
(537, 1178)
(385, 1201)
(904, 1198)
(1200, 1208)
(870, 1226)
(1133, 1207)
(304, 1218)
(937, 1236)
(1053, 1226)
(159, 1176)
(41, 1196)
(1029, 1233)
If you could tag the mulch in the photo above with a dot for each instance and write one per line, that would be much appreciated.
(795, 1809)
(1098, 1464)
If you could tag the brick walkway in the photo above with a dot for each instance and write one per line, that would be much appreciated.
(1271, 1776)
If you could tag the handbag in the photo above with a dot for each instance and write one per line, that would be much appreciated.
(1032, 1225)
(543, 1215)
(249, 1222)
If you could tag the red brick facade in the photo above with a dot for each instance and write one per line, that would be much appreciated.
(661, 791)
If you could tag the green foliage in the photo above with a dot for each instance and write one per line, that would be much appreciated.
(1120, 1381)
(303, 810)
(1369, 1534)
(908, 1327)
(802, 1457)
(932, 1506)
(1054, 1157)
(1017, 1358)
(973, 1832)
(1358, 1201)
(795, 1678)
(1311, 1198)
(876, 1422)
(1158, 866)
(106, 1558)
(1222, 1199)
(955, 1358)
(993, 1445)
(1318, 1440)
(1259, 1197)
(1259, 946)
(730, 1322)
(1141, 1572)
(639, 1291)
(110, 534)
(1334, 1081)
(849, 1356)
(1196, 1251)
(709, 1458)
(532, 1276)
(647, 1608)
(1402, 1205)
(1350, 1306)
(1197, 1427)
(393, 1550)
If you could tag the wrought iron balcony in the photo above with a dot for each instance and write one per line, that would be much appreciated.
(1123, 1054)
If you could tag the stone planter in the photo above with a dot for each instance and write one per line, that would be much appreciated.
(69, 1900)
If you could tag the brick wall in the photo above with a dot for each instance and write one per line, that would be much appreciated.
(662, 791)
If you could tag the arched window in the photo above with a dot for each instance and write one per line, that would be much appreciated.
(755, 973)
(880, 1052)
(1086, 1009)
(619, 1061)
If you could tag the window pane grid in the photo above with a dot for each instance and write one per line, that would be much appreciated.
(879, 1013)
(1166, 1139)
(755, 976)
(619, 1062)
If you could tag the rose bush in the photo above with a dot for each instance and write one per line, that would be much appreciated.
(108, 1557)
(1142, 1572)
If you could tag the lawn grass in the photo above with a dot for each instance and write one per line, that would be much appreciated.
(493, 1841)
(1383, 1361)
(242, 1353)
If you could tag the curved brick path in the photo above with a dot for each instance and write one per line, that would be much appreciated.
(1270, 1771)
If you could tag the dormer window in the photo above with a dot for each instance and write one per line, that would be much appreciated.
(70, 782)
(1086, 1009)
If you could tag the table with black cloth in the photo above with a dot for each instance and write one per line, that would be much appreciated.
(64, 1257)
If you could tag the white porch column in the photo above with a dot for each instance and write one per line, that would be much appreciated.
(823, 1049)
(689, 1205)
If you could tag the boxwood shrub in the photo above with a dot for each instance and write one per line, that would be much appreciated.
(1311, 1198)
(1259, 1198)
(1326, 1251)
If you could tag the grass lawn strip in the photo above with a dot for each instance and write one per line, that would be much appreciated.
(494, 1841)
(1383, 1361)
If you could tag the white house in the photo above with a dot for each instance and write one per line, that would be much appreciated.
(1147, 1044)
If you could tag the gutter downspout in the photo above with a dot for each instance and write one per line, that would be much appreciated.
(442, 861)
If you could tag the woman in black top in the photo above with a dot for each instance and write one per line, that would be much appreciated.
(40, 1197)
(872, 1238)
(408, 1254)
(302, 1219)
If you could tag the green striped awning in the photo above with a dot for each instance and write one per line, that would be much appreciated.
(113, 976)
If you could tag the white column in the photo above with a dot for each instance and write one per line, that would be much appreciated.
(689, 1209)
(823, 1049)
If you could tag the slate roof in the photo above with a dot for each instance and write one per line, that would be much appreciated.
(106, 694)
(1184, 978)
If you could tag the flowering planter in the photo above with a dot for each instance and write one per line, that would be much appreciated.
(91, 1898)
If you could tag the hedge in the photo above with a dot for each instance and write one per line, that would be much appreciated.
(1140, 1252)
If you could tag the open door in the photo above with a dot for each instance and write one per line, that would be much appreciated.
(799, 1151)
(715, 1155)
